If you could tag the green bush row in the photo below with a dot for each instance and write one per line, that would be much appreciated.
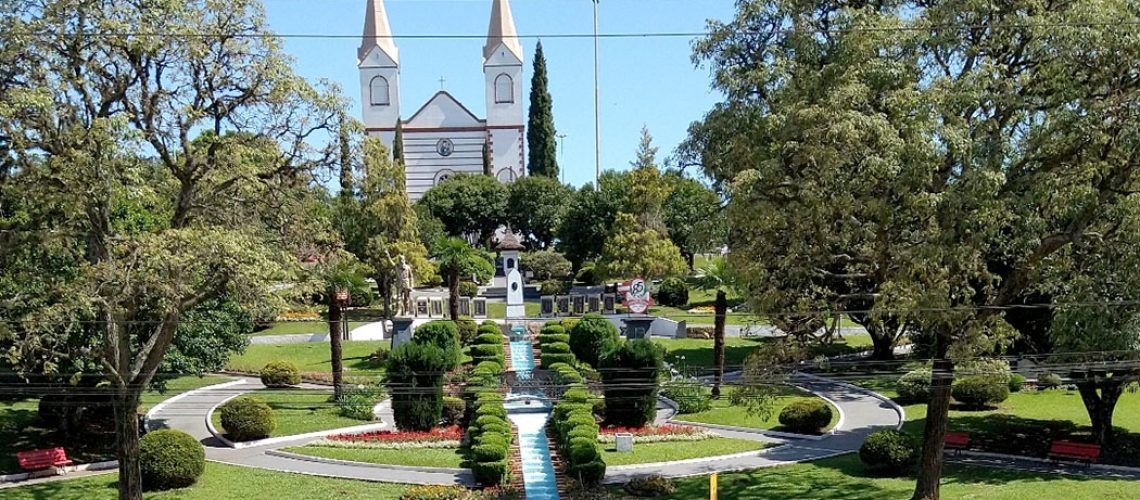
(489, 435)
(577, 431)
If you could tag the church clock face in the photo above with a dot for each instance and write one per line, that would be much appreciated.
(444, 147)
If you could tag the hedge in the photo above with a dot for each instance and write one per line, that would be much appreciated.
(247, 418)
(889, 452)
(489, 339)
(979, 391)
(280, 374)
(415, 375)
(170, 459)
(545, 339)
(629, 378)
(556, 348)
(442, 334)
(577, 432)
(491, 435)
(592, 337)
(806, 415)
(914, 386)
(554, 358)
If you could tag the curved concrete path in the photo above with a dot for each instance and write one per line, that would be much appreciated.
(861, 412)
(188, 414)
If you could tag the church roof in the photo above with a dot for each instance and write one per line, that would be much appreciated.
(509, 241)
(443, 102)
(502, 31)
(377, 33)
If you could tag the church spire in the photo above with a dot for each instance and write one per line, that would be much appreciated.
(502, 31)
(377, 33)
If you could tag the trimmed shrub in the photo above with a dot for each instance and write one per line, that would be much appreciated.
(280, 373)
(569, 323)
(889, 452)
(806, 415)
(914, 386)
(415, 381)
(545, 339)
(488, 453)
(546, 265)
(488, 368)
(489, 339)
(673, 293)
(552, 287)
(1016, 382)
(491, 409)
(170, 459)
(556, 348)
(629, 378)
(247, 418)
(589, 473)
(650, 486)
(587, 276)
(552, 328)
(435, 492)
(552, 358)
(1049, 381)
(486, 350)
(453, 410)
(442, 334)
(979, 391)
(489, 473)
(359, 403)
(592, 337)
(467, 329)
(468, 289)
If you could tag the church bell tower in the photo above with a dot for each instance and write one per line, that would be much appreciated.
(378, 60)
(503, 74)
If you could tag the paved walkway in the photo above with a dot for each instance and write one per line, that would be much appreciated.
(188, 414)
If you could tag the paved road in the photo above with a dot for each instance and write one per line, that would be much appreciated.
(188, 414)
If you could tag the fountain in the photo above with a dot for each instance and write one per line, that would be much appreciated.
(529, 413)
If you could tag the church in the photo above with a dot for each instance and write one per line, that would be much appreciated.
(443, 137)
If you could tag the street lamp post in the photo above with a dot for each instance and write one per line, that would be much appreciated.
(597, 106)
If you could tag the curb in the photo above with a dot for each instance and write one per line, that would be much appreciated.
(838, 423)
(459, 481)
(701, 460)
(894, 406)
(1005, 456)
(287, 439)
(739, 468)
(19, 477)
(333, 461)
(158, 407)
(754, 430)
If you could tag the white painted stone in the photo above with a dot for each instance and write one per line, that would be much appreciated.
(624, 442)
(515, 307)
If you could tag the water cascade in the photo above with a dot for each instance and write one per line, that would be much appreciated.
(529, 413)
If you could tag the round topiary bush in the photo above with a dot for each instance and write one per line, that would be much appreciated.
(556, 348)
(979, 391)
(592, 337)
(889, 452)
(590, 473)
(1016, 382)
(170, 459)
(552, 358)
(806, 415)
(673, 293)
(1049, 381)
(453, 409)
(247, 418)
(550, 338)
(489, 473)
(914, 386)
(489, 453)
(650, 486)
(489, 339)
(552, 329)
(280, 374)
(467, 329)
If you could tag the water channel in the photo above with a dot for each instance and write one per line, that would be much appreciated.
(529, 412)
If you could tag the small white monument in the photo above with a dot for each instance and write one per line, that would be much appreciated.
(508, 248)
(624, 442)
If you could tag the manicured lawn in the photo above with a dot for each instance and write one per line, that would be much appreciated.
(1027, 422)
(498, 310)
(645, 453)
(20, 427)
(724, 413)
(698, 353)
(302, 327)
(414, 457)
(843, 478)
(311, 357)
(220, 482)
(299, 411)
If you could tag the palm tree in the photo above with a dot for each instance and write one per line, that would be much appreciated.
(716, 276)
(342, 278)
(456, 258)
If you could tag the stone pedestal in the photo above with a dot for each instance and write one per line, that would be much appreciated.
(637, 327)
(401, 331)
(624, 442)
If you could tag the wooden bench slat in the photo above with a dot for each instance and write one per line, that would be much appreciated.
(42, 459)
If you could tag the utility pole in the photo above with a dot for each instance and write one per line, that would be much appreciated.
(597, 106)
(561, 156)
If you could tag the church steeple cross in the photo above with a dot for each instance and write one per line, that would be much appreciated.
(442, 80)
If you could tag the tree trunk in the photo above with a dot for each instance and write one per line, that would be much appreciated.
(126, 406)
(1100, 406)
(453, 297)
(721, 309)
(934, 432)
(884, 346)
(385, 287)
(335, 313)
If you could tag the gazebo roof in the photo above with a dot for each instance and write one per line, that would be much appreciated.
(509, 241)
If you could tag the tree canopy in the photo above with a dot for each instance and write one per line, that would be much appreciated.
(541, 143)
(536, 206)
(468, 205)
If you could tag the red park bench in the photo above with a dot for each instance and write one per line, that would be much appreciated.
(1074, 451)
(47, 458)
(957, 441)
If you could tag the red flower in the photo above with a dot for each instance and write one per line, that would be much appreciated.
(438, 434)
(660, 430)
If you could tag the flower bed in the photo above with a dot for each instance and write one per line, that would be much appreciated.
(444, 437)
(657, 434)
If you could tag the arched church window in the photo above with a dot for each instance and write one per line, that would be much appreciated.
(504, 89)
(378, 92)
(443, 175)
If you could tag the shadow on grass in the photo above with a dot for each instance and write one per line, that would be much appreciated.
(20, 430)
(88, 488)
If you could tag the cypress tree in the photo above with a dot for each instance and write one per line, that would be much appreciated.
(346, 189)
(487, 159)
(542, 147)
(398, 143)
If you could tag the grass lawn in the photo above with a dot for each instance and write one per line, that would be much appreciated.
(302, 327)
(725, 414)
(414, 457)
(645, 453)
(220, 482)
(843, 478)
(698, 353)
(1027, 422)
(498, 310)
(310, 357)
(299, 411)
(20, 427)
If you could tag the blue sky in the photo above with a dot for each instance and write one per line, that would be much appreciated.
(643, 80)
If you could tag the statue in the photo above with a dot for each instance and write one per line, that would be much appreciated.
(405, 282)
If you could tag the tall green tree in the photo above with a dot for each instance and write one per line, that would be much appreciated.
(536, 206)
(344, 141)
(487, 159)
(632, 250)
(398, 144)
(590, 217)
(456, 258)
(930, 177)
(226, 138)
(693, 216)
(717, 277)
(541, 140)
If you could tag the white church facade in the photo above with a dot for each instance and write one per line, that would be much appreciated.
(443, 137)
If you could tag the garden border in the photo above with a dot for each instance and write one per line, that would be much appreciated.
(162, 404)
(323, 460)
